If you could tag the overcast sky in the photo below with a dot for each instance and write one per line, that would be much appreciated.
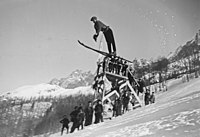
(38, 38)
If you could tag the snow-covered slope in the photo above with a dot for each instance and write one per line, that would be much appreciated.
(46, 90)
(176, 113)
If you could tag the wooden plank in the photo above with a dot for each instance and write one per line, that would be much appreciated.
(133, 77)
(110, 94)
(112, 76)
(133, 91)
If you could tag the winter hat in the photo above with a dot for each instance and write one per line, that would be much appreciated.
(93, 18)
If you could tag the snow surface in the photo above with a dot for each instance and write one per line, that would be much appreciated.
(46, 90)
(176, 113)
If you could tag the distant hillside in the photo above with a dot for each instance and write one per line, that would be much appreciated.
(46, 90)
(36, 109)
(78, 82)
(76, 79)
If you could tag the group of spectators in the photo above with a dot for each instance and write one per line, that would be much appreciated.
(115, 65)
(120, 105)
(149, 98)
(81, 117)
(84, 117)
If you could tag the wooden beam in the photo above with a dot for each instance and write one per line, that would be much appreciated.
(133, 77)
(115, 75)
(109, 95)
(133, 91)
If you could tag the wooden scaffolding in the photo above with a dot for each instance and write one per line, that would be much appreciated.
(115, 81)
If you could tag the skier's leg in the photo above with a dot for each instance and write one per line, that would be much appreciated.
(109, 47)
(112, 41)
(108, 40)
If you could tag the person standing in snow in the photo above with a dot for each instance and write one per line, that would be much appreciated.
(65, 122)
(107, 111)
(108, 34)
(126, 99)
(98, 112)
(124, 68)
(152, 98)
(74, 119)
(141, 86)
(80, 117)
(147, 97)
(88, 114)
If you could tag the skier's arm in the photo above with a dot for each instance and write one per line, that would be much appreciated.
(97, 28)
(61, 121)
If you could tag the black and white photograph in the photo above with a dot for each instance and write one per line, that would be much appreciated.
(99, 68)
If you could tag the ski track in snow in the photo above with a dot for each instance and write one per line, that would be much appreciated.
(168, 123)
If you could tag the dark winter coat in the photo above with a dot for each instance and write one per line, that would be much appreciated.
(81, 117)
(99, 26)
(146, 98)
(98, 108)
(88, 115)
(74, 115)
(141, 85)
(65, 121)
(125, 99)
(88, 111)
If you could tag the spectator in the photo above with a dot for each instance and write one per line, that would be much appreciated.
(152, 98)
(98, 112)
(88, 114)
(126, 99)
(107, 111)
(111, 64)
(147, 97)
(65, 124)
(74, 119)
(124, 68)
(80, 117)
(141, 86)
(118, 107)
(114, 107)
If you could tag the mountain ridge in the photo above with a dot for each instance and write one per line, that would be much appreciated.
(77, 82)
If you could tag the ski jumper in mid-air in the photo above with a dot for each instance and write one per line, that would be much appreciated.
(99, 26)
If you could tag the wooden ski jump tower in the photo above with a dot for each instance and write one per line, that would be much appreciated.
(104, 75)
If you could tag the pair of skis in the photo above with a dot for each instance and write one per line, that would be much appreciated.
(102, 52)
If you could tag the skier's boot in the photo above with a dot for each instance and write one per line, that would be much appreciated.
(114, 53)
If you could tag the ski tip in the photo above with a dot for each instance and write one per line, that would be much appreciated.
(80, 42)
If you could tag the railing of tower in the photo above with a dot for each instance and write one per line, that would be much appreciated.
(115, 70)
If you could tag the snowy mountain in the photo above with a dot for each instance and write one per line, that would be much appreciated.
(46, 90)
(26, 108)
(76, 79)
(78, 82)
(171, 56)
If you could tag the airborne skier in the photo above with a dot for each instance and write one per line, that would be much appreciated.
(99, 26)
